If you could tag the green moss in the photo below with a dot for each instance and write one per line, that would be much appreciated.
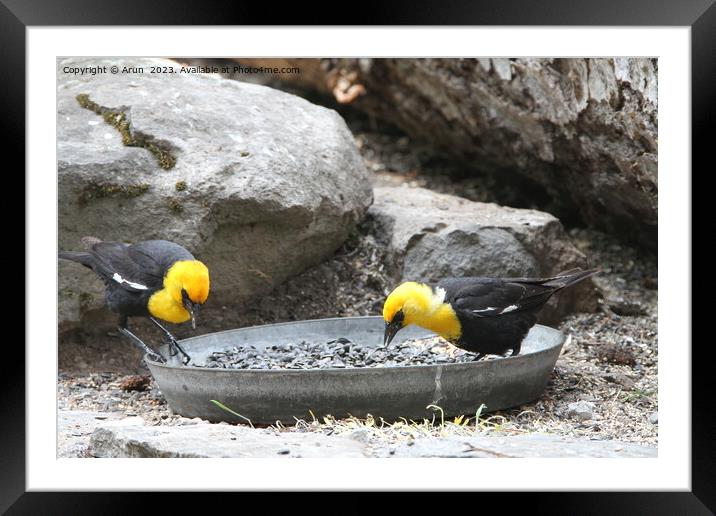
(67, 292)
(175, 205)
(164, 157)
(180, 186)
(118, 119)
(94, 191)
(84, 101)
(85, 301)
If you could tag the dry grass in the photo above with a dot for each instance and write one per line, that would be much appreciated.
(403, 429)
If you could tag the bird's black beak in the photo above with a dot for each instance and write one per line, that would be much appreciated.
(391, 328)
(193, 309)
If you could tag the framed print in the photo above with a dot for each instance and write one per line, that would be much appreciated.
(289, 254)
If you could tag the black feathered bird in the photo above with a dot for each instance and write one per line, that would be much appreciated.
(156, 279)
(481, 315)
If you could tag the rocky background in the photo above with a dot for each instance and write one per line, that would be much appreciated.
(576, 136)
(312, 195)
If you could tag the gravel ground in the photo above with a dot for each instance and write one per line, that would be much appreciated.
(604, 385)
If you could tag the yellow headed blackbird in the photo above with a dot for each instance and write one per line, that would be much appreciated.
(155, 279)
(481, 315)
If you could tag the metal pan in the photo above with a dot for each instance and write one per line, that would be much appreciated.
(267, 396)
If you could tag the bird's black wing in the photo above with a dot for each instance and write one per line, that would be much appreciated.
(158, 255)
(489, 297)
(116, 263)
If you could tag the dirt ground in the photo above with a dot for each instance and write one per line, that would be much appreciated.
(604, 385)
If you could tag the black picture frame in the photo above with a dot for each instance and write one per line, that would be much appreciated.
(17, 15)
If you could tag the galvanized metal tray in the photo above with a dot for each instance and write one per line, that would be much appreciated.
(267, 396)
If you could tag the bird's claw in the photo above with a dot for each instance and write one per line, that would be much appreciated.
(185, 358)
(156, 357)
(175, 349)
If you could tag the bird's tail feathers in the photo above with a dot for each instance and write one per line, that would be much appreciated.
(77, 256)
(82, 257)
(570, 277)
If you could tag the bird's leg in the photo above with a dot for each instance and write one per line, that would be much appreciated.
(478, 356)
(137, 341)
(515, 350)
(172, 342)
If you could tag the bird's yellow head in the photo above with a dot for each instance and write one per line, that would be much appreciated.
(420, 304)
(186, 288)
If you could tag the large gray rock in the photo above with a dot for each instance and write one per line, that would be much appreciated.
(257, 183)
(527, 445)
(131, 438)
(431, 236)
(74, 428)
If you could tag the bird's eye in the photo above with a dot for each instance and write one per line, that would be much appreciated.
(398, 317)
(184, 295)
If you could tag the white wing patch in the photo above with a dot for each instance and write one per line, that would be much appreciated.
(496, 310)
(488, 309)
(119, 279)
